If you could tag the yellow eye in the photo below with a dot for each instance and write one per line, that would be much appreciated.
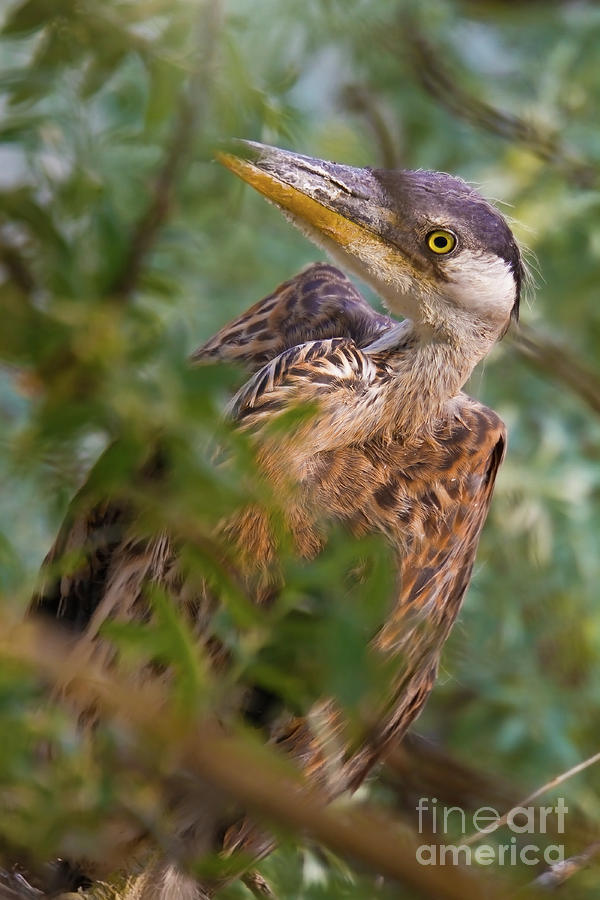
(441, 241)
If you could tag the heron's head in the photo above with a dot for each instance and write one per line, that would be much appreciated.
(429, 244)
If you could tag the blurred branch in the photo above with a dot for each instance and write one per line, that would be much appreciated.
(559, 363)
(16, 266)
(257, 885)
(417, 767)
(164, 745)
(554, 782)
(14, 887)
(441, 82)
(359, 99)
(192, 106)
(560, 872)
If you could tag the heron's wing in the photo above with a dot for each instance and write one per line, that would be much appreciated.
(318, 303)
(333, 378)
(315, 367)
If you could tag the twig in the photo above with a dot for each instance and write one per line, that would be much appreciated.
(192, 105)
(13, 886)
(257, 885)
(442, 84)
(559, 872)
(358, 98)
(417, 767)
(16, 266)
(564, 776)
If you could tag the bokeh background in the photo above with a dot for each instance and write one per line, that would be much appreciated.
(123, 245)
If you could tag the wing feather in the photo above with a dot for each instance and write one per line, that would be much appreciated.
(318, 303)
(308, 371)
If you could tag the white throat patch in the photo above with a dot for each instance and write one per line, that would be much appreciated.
(481, 283)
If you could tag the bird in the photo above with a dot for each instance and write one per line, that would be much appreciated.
(393, 446)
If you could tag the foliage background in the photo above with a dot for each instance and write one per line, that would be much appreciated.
(123, 246)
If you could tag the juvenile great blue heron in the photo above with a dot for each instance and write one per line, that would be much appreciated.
(394, 447)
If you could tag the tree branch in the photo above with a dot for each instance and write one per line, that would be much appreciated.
(192, 106)
(560, 872)
(359, 99)
(559, 363)
(554, 782)
(16, 266)
(417, 767)
(442, 84)
(164, 746)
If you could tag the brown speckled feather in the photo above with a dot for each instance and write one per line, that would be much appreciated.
(428, 490)
(319, 302)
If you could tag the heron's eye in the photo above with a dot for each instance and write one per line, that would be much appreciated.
(441, 241)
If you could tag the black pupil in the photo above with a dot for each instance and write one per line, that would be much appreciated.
(441, 242)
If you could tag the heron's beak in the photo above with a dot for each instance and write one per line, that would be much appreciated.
(346, 211)
(337, 202)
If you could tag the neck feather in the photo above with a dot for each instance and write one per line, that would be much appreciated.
(428, 370)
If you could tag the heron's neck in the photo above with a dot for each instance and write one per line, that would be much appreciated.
(429, 369)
